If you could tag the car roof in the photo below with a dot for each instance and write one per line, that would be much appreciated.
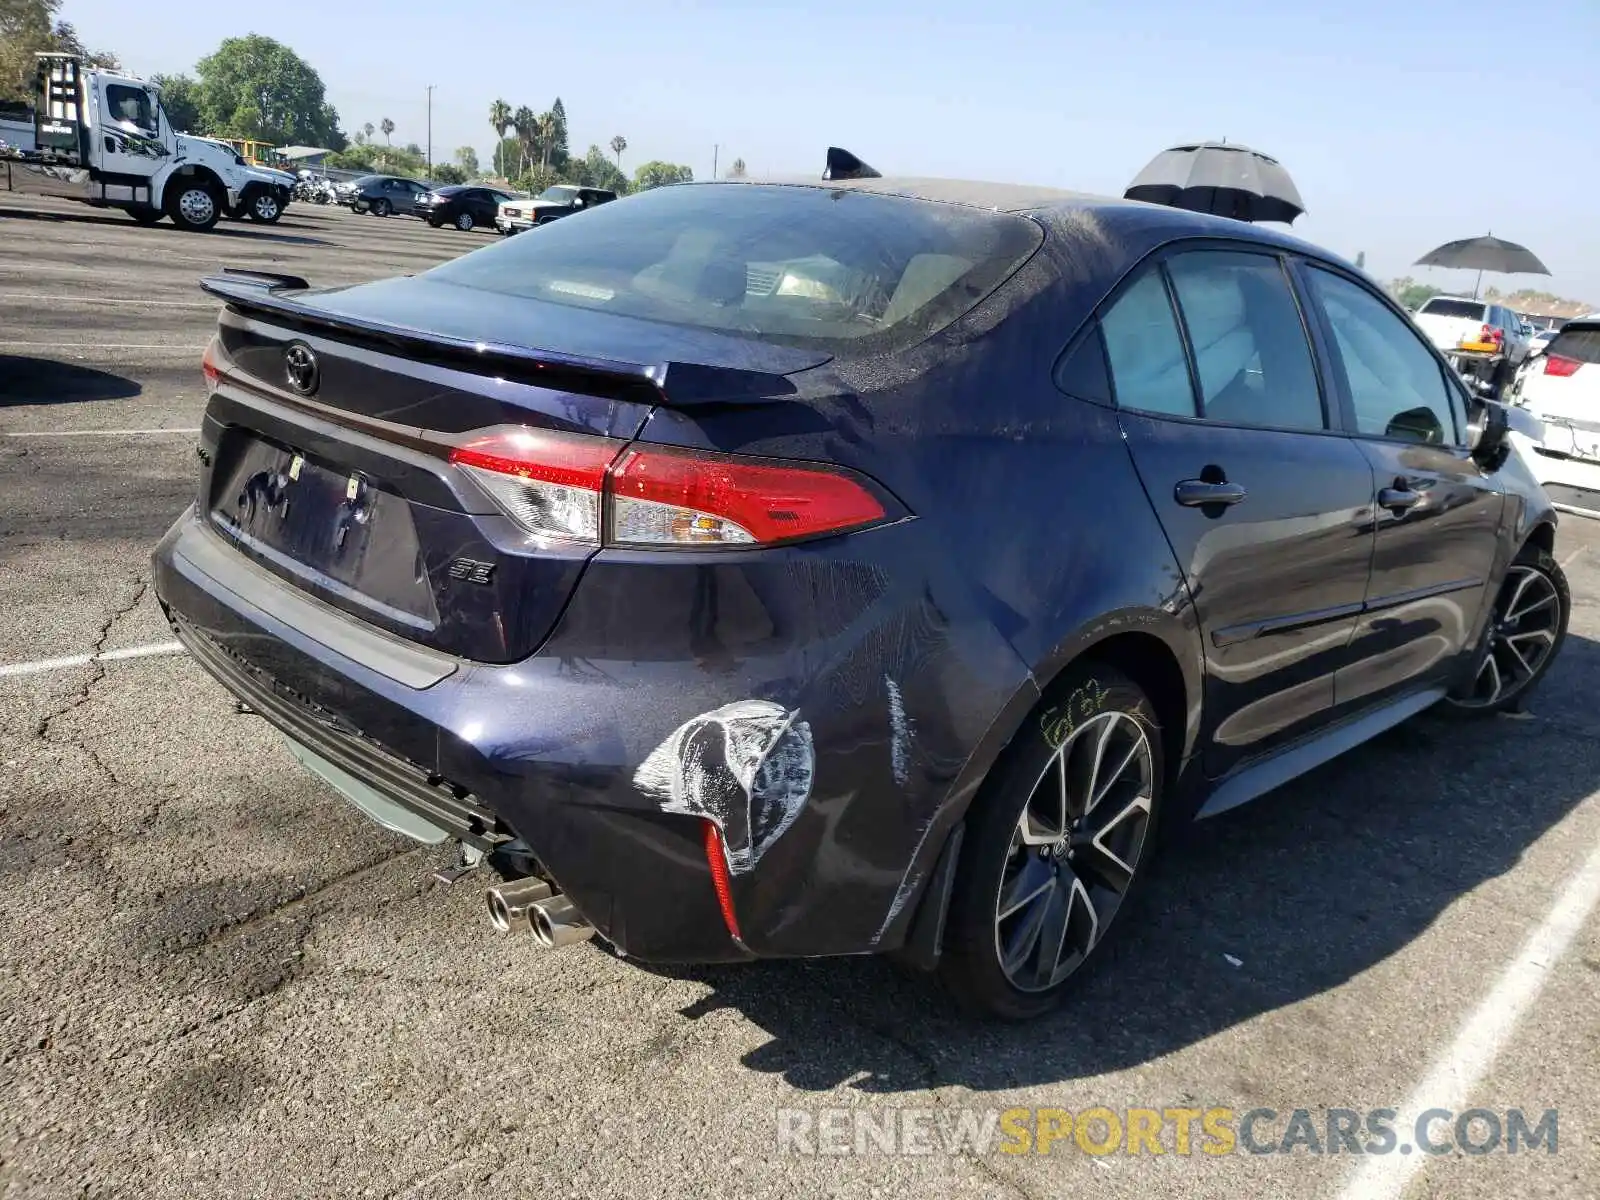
(1135, 217)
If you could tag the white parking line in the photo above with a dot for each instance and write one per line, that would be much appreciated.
(103, 346)
(39, 667)
(1573, 557)
(1458, 1072)
(49, 433)
(32, 298)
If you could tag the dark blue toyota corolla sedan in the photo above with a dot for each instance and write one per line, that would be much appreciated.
(752, 570)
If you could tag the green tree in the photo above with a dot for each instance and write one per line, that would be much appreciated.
(1410, 294)
(26, 28)
(544, 128)
(467, 162)
(388, 131)
(658, 174)
(180, 96)
(500, 119)
(736, 171)
(525, 126)
(596, 170)
(256, 87)
(618, 145)
(448, 173)
(559, 153)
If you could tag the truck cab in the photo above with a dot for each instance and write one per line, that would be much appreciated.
(103, 138)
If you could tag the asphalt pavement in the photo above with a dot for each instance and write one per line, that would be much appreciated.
(216, 979)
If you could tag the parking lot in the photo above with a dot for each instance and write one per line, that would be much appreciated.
(218, 979)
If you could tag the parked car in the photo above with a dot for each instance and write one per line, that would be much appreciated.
(1485, 342)
(751, 570)
(465, 206)
(1560, 389)
(385, 195)
(1539, 342)
(558, 200)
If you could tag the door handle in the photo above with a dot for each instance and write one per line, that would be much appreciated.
(1198, 493)
(1398, 500)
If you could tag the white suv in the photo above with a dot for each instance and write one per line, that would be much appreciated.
(1561, 388)
(1480, 338)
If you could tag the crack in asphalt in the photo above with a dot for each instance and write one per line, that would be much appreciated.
(232, 929)
(82, 696)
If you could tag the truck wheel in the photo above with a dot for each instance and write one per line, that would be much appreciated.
(264, 207)
(194, 206)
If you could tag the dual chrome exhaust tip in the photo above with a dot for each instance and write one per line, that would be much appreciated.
(532, 904)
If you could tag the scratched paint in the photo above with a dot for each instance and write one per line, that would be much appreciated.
(747, 766)
(899, 734)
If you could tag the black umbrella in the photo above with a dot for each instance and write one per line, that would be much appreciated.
(1222, 179)
(1482, 254)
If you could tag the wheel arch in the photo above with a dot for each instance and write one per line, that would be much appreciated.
(186, 174)
(1158, 650)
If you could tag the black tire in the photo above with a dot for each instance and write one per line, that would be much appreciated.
(465, 223)
(1522, 638)
(381, 207)
(194, 204)
(1086, 869)
(434, 223)
(146, 216)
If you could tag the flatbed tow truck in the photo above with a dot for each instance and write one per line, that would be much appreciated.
(102, 138)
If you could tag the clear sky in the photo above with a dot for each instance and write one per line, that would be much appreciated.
(1405, 123)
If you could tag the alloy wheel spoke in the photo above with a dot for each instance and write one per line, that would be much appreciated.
(1035, 877)
(1531, 607)
(1053, 931)
(1511, 647)
(1080, 926)
(1044, 820)
(1492, 669)
(1525, 579)
(1097, 857)
(1024, 939)
(1099, 787)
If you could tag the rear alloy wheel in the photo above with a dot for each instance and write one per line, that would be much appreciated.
(1056, 846)
(264, 207)
(381, 208)
(194, 206)
(1525, 632)
(464, 222)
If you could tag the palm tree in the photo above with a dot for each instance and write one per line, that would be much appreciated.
(618, 145)
(369, 129)
(737, 170)
(500, 118)
(388, 131)
(526, 125)
(546, 126)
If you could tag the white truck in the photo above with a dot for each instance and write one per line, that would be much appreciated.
(103, 138)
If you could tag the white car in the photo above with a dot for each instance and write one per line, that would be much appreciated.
(1540, 341)
(1561, 390)
(1484, 341)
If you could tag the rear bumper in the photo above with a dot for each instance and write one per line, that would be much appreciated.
(1573, 484)
(600, 763)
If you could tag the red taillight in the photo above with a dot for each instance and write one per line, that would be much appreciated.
(717, 860)
(670, 497)
(559, 485)
(1491, 334)
(209, 367)
(1560, 366)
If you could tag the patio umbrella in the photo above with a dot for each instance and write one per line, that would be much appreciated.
(1220, 178)
(1485, 254)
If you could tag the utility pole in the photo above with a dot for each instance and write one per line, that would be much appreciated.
(716, 147)
(430, 129)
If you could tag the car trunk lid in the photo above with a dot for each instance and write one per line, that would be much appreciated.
(334, 415)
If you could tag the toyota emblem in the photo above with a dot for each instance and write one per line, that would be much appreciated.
(300, 368)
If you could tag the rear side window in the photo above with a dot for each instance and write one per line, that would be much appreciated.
(1250, 349)
(1582, 344)
(1396, 385)
(1441, 306)
(1145, 351)
(840, 270)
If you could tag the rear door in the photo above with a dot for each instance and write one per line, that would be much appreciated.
(1438, 512)
(1267, 506)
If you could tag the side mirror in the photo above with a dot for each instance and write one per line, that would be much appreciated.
(1488, 427)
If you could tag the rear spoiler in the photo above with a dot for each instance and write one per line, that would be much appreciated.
(673, 384)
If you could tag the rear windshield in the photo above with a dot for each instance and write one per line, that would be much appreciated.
(1440, 307)
(454, 189)
(1581, 343)
(839, 270)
